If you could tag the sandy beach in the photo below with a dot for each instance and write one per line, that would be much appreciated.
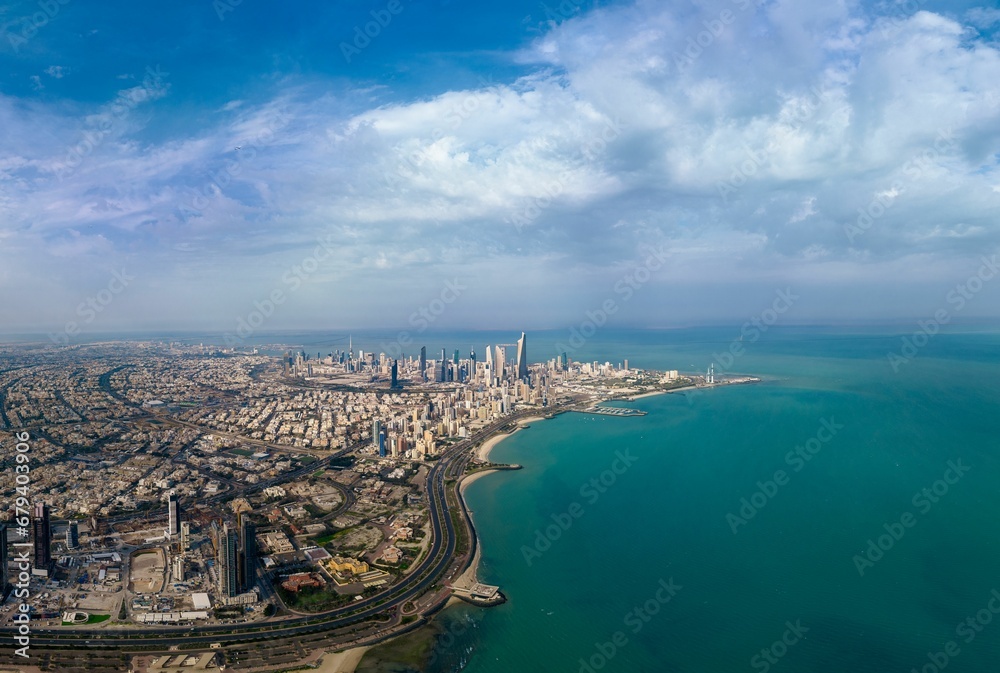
(483, 452)
(469, 577)
(342, 662)
(667, 392)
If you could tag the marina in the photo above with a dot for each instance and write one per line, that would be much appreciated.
(613, 411)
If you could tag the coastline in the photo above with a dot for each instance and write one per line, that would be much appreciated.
(471, 574)
(667, 392)
(342, 662)
(347, 661)
(694, 386)
(483, 452)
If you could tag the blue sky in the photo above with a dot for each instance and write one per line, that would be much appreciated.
(536, 156)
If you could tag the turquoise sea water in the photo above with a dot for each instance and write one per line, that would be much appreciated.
(791, 570)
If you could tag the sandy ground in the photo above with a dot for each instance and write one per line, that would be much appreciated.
(342, 662)
(672, 390)
(468, 578)
(483, 452)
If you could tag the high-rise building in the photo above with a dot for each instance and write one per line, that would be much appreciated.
(395, 374)
(381, 444)
(4, 561)
(173, 516)
(472, 356)
(455, 358)
(247, 555)
(522, 357)
(563, 361)
(43, 538)
(227, 563)
(185, 536)
(72, 535)
(423, 363)
(376, 429)
(443, 374)
(500, 360)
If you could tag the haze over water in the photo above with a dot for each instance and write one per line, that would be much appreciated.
(793, 563)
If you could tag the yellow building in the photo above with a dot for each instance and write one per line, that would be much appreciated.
(339, 564)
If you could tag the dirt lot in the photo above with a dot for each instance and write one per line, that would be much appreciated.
(148, 572)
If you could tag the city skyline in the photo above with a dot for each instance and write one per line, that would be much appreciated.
(684, 162)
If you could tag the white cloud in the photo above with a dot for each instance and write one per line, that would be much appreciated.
(621, 137)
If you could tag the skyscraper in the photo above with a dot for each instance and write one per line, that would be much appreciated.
(173, 516)
(227, 562)
(43, 538)
(4, 581)
(443, 374)
(500, 361)
(72, 535)
(185, 536)
(423, 363)
(247, 555)
(488, 363)
(395, 374)
(522, 357)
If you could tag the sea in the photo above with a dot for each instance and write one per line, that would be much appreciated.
(841, 515)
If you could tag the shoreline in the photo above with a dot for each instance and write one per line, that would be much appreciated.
(654, 393)
(346, 661)
(471, 574)
(483, 452)
(694, 386)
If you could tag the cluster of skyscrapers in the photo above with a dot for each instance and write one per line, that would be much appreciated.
(41, 544)
(236, 557)
(495, 366)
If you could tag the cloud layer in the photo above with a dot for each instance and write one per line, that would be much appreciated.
(848, 151)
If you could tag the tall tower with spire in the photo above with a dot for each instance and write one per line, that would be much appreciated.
(522, 357)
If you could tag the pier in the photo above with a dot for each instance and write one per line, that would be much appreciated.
(483, 595)
(613, 411)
